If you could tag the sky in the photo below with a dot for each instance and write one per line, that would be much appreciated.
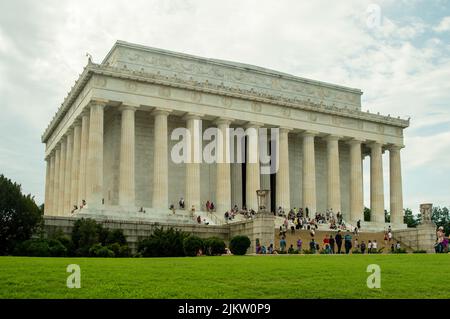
(396, 52)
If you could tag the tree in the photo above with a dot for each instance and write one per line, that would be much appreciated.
(85, 234)
(409, 219)
(20, 217)
(441, 217)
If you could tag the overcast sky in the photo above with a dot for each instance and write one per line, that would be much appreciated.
(396, 52)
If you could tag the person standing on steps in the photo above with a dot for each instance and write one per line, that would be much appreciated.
(338, 240)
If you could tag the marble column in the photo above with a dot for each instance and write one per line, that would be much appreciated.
(94, 176)
(252, 166)
(160, 160)
(376, 183)
(55, 202)
(84, 146)
(223, 173)
(62, 174)
(309, 173)
(193, 159)
(127, 157)
(282, 176)
(395, 180)
(47, 184)
(75, 164)
(68, 174)
(333, 174)
(51, 196)
(356, 182)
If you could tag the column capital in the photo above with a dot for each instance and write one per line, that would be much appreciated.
(332, 137)
(223, 121)
(373, 144)
(161, 111)
(98, 102)
(77, 122)
(253, 124)
(193, 116)
(354, 141)
(394, 147)
(285, 129)
(309, 133)
(128, 106)
(85, 111)
(69, 130)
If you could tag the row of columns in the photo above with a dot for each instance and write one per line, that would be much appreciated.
(75, 168)
(333, 177)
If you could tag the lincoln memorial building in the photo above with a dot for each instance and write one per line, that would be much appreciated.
(109, 146)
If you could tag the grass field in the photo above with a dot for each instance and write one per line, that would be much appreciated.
(295, 276)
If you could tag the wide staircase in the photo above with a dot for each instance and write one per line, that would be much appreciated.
(291, 238)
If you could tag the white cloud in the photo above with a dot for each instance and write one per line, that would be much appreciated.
(443, 26)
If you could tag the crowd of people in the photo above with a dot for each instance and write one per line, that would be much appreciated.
(340, 242)
(301, 219)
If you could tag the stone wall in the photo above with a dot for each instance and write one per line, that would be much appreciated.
(261, 227)
(423, 237)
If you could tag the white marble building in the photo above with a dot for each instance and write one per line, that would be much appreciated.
(109, 143)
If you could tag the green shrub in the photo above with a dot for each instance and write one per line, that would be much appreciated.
(163, 243)
(291, 250)
(239, 245)
(214, 246)
(356, 251)
(86, 233)
(119, 250)
(56, 248)
(419, 251)
(116, 236)
(93, 251)
(191, 245)
(307, 252)
(32, 248)
(97, 250)
(105, 252)
(281, 252)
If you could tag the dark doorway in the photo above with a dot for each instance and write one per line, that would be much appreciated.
(244, 173)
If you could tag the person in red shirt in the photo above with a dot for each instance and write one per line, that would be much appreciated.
(326, 242)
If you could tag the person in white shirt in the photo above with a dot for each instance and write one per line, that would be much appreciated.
(369, 247)
(374, 245)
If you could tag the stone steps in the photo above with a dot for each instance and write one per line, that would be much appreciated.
(291, 238)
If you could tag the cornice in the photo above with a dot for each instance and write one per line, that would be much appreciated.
(207, 87)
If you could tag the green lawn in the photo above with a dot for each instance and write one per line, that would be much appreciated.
(295, 276)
